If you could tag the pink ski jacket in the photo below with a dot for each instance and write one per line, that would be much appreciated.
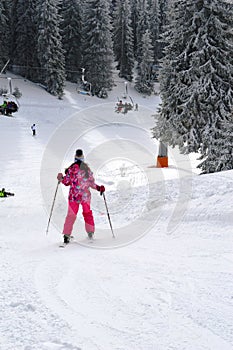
(79, 184)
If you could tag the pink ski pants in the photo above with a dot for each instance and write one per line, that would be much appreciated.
(72, 214)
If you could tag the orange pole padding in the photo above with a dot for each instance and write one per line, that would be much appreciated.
(162, 162)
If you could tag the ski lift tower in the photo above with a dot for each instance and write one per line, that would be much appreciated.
(10, 86)
(84, 81)
(83, 76)
(10, 90)
(12, 103)
(126, 88)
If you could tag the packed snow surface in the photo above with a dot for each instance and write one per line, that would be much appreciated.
(165, 282)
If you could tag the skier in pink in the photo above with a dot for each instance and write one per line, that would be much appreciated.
(80, 178)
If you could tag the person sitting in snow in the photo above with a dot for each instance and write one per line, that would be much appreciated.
(11, 107)
(3, 107)
(80, 178)
(3, 193)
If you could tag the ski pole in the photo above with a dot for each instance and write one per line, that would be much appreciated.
(108, 216)
(50, 215)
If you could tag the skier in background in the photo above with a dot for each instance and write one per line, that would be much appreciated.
(80, 178)
(119, 106)
(33, 127)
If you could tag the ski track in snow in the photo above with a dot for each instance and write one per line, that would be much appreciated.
(170, 290)
(139, 306)
(26, 323)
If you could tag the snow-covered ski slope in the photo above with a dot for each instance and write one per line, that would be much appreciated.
(164, 283)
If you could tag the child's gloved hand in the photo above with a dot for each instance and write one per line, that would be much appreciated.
(101, 189)
(60, 177)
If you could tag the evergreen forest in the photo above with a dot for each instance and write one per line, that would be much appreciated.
(184, 45)
(50, 41)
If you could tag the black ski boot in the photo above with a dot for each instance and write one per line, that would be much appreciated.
(90, 235)
(66, 239)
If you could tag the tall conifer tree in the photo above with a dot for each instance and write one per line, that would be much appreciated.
(97, 46)
(123, 39)
(134, 21)
(50, 51)
(142, 26)
(5, 34)
(24, 54)
(144, 81)
(163, 20)
(72, 15)
(154, 29)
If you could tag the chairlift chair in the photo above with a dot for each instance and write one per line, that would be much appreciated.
(12, 105)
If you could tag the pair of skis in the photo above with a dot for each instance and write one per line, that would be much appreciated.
(63, 245)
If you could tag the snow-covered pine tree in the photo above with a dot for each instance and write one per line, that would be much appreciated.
(134, 21)
(4, 34)
(144, 82)
(142, 26)
(50, 51)
(24, 54)
(196, 78)
(163, 20)
(112, 6)
(97, 46)
(13, 21)
(72, 15)
(154, 28)
(219, 155)
(123, 39)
